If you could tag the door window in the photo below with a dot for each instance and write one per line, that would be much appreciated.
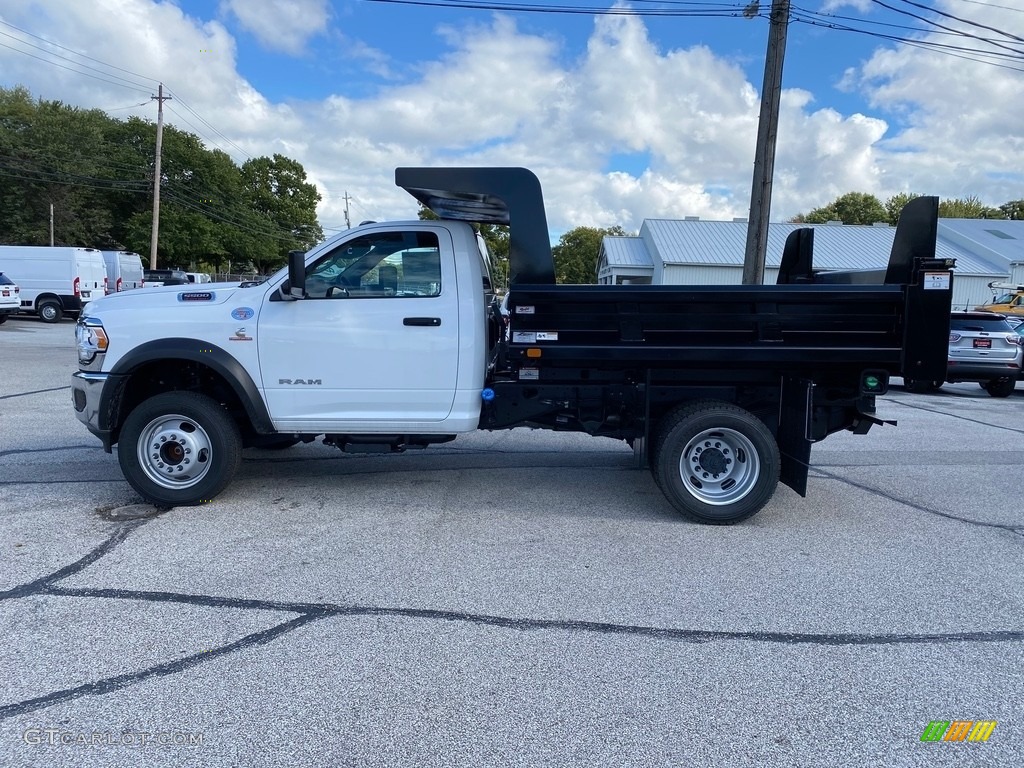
(378, 265)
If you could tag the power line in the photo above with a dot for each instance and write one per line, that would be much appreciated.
(981, 57)
(76, 71)
(942, 26)
(993, 5)
(706, 10)
(205, 122)
(965, 21)
(797, 11)
(142, 187)
(82, 55)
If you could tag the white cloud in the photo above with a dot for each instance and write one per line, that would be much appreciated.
(960, 130)
(283, 25)
(686, 117)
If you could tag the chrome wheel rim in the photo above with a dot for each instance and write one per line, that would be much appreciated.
(719, 466)
(174, 451)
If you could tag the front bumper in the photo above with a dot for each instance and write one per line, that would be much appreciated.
(86, 396)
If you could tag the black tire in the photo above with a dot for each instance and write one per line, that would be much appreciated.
(50, 311)
(1001, 387)
(917, 386)
(709, 435)
(3, 319)
(187, 432)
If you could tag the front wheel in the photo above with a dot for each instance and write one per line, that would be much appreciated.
(715, 462)
(179, 449)
(1000, 387)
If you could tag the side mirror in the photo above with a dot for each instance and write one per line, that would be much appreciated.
(295, 287)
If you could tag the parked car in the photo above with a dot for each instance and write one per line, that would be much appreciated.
(55, 281)
(1015, 322)
(10, 300)
(198, 277)
(154, 278)
(983, 347)
(124, 271)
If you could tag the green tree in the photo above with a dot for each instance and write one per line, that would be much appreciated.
(497, 238)
(894, 205)
(1012, 210)
(851, 208)
(967, 208)
(97, 172)
(577, 251)
(277, 190)
(54, 154)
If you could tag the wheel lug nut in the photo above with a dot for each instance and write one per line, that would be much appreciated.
(160, 464)
(163, 438)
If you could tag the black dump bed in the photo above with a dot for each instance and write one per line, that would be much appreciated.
(822, 326)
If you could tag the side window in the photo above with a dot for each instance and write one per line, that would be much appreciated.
(378, 265)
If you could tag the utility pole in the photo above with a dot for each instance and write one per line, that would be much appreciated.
(51, 225)
(764, 153)
(160, 99)
(348, 224)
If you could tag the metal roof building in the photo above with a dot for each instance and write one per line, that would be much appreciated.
(694, 252)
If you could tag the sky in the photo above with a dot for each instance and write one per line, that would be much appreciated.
(624, 111)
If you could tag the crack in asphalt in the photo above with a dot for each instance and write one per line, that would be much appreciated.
(18, 451)
(307, 613)
(955, 416)
(1015, 529)
(34, 392)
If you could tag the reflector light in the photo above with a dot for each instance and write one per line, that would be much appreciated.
(533, 352)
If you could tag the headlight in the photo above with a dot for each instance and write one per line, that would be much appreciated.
(90, 338)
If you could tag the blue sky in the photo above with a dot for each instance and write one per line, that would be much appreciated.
(623, 118)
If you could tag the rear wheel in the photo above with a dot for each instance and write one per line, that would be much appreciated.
(50, 310)
(179, 449)
(715, 462)
(1001, 387)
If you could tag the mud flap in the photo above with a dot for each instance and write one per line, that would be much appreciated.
(794, 427)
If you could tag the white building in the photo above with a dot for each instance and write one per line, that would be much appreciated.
(694, 252)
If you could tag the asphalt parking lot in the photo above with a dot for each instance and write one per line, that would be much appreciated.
(518, 598)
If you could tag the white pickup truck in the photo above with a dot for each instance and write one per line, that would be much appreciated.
(389, 337)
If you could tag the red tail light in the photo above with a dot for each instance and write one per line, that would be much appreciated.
(76, 287)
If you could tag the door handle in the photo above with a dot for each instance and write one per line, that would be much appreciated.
(430, 321)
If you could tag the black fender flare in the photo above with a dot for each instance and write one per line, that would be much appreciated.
(195, 350)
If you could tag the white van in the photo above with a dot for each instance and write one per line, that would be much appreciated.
(124, 270)
(55, 281)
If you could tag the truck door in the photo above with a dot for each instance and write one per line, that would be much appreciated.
(375, 345)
